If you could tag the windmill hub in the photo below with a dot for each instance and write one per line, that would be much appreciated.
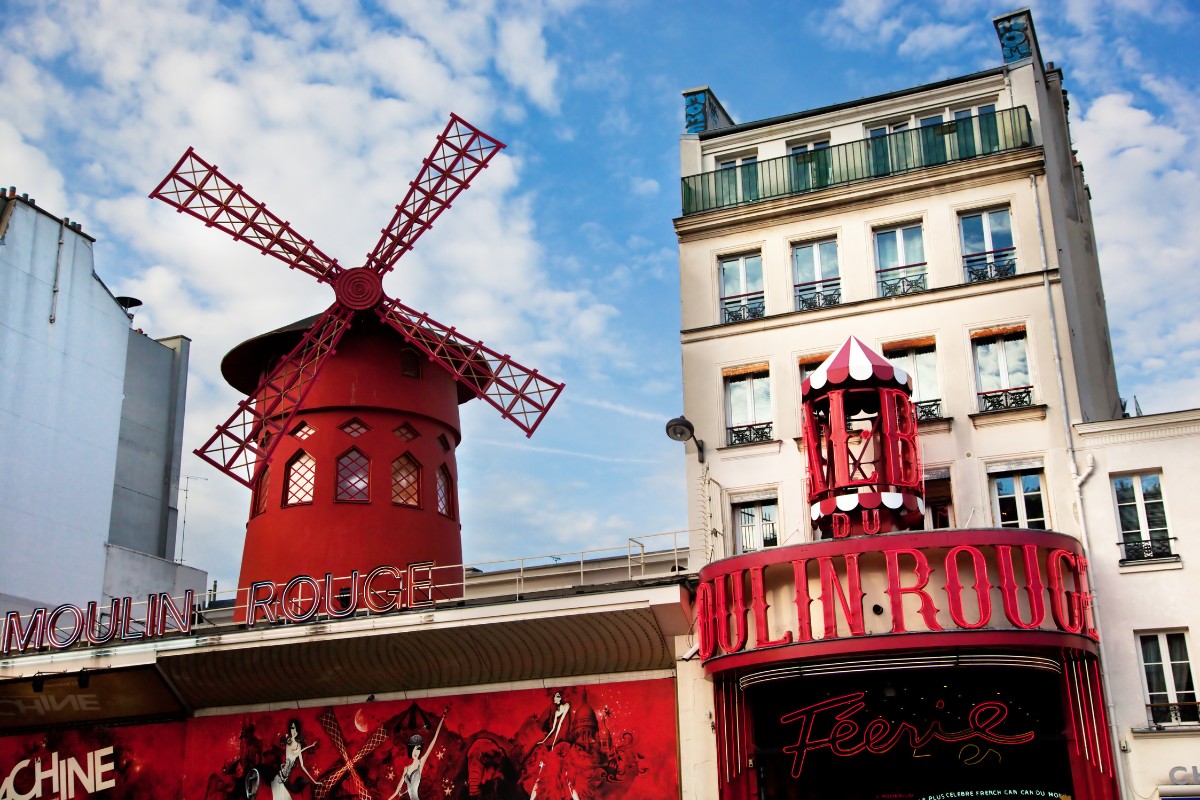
(359, 288)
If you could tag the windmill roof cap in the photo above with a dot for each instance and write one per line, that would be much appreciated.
(242, 367)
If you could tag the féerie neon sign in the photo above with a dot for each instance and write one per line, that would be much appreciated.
(831, 725)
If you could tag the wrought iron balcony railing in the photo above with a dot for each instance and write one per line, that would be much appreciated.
(741, 307)
(865, 159)
(928, 410)
(818, 294)
(1001, 399)
(991, 265)
(1159, 714)
(899, 281)
(1145, 549)
(749, 434)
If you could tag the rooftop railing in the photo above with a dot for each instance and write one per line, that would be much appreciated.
(876, 157)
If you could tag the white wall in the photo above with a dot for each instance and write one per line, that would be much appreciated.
(60, 410)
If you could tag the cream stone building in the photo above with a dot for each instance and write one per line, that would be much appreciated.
(949, 227)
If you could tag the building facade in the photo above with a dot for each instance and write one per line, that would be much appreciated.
(91, 413)
(948, 227)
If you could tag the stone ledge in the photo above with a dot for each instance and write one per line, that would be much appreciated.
(985, 419)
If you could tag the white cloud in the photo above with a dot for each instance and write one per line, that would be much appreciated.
(643, 186)
(521, 58)
(934, 39)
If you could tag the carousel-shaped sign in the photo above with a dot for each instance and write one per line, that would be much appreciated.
(860, 427)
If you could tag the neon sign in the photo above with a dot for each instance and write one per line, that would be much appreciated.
(830, 725)
(383, 590)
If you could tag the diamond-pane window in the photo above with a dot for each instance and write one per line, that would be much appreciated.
(406, 481)
(260, 491)
(444, 442)
(406, 432)
(353, 472)
(445, 493)
(301, 476)
(303, 431)
(355, 428)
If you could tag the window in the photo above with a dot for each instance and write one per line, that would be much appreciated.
(406, 481)
(1142, 516)
(939, 504)
(811, 166)
(406, 432)
(260, 491)
(353, 477)
(303, 430)
(1017, 500)
(1002, 370)
(410, 363)
(748, 405)
(920, 362)
(815, 275)
(354, 428)
(301, 477)
(933, 140)
(737, 180)
(445, 492)
(975, 131)
(900, 261)
(742, 295)
(987, 245)
(1170, 692)
(756, 524)
(891, 148)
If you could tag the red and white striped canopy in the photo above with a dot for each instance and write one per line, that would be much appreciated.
(857, 363)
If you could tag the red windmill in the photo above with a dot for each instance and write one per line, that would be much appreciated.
(373, 415)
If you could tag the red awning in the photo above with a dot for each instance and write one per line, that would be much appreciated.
(854, 362)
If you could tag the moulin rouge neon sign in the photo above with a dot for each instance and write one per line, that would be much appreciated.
(984, 584)
(382, 590)
(831, 725)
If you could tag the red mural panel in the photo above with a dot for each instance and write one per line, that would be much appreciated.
(595, 742)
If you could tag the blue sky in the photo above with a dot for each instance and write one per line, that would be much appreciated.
(562, 253)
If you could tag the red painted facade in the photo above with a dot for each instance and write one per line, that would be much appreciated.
(379, 398)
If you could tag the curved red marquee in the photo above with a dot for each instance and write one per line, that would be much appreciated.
(983, 587)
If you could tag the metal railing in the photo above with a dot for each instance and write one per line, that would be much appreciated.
(1002, 399)
(990, 265)
(928, 410)
(1160, 714)
(1146, 549)
(818, 294)
(865, 159)
(749, 434)
(898, 285)
(741, 307)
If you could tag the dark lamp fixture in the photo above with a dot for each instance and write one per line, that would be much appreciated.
(84, 679)
(39, 683)
(681, 430)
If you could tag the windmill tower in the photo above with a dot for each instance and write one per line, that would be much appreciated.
(348, 431)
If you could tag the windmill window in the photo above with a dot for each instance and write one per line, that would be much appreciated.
(406, 481)
(410, 364)
(406, 432)
(444, 442)
(445, 493)
(353, 477)
(301, 477)
(260, 491)
(303, 430)
(355, 428)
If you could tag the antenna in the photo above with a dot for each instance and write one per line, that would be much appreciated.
(187, 485)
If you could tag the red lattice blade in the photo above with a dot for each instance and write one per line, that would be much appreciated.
(197, 188)
(244, 443)
(520, 394)
(459, 154)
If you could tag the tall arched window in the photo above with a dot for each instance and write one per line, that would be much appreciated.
(406, 481)
(301, 476)
(260, 491)
(353, 477)
(445, 492)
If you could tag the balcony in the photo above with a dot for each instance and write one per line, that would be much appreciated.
(749, 434)
(991, 265)
(1160, 715)
(928, 410)
(818, 294)
(899, 281)
(741, 307)
(1004, 399)
(865, 159)
(1134, 550)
